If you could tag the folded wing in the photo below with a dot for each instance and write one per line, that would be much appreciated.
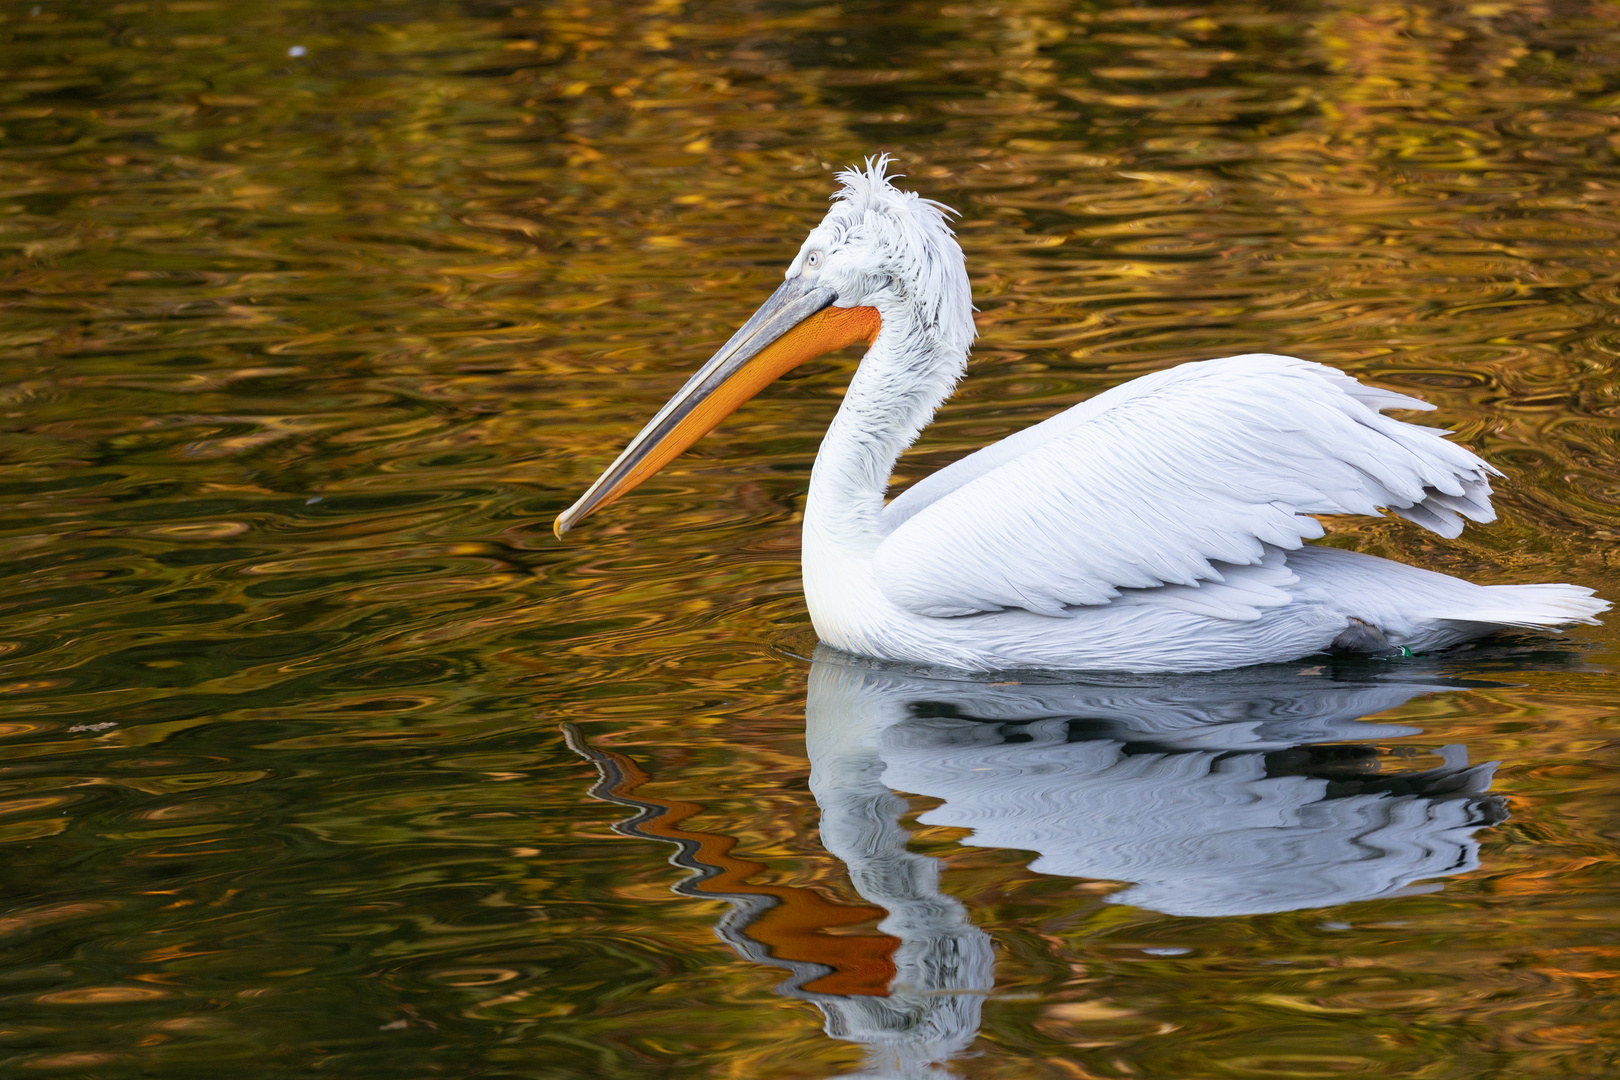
(1174, 479)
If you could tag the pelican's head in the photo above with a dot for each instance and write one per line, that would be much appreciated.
(881, 256)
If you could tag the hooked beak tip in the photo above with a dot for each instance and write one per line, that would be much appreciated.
(561, 525)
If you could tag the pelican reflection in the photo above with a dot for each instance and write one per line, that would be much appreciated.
(1237, 793)
(1230, 794)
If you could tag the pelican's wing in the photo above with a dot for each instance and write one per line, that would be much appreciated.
(1175, 479)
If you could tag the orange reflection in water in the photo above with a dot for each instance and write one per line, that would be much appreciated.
(800, 925)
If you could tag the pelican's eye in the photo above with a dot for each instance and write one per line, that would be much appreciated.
(812, 261)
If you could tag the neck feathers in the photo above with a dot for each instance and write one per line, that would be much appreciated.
(909, 371)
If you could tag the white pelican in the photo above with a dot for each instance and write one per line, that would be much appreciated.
(1158, 526)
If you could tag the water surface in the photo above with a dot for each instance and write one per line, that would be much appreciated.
(322, 757)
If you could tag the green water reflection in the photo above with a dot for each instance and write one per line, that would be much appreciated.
(313, 735)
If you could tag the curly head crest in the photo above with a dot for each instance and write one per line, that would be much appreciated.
(918, 249)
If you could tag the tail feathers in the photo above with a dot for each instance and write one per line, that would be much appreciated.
(1532, 606)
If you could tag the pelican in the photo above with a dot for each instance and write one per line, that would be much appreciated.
(1158, 526)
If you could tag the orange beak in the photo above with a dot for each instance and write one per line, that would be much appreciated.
(798, 323)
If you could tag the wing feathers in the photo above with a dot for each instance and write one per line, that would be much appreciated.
(1168, 483)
